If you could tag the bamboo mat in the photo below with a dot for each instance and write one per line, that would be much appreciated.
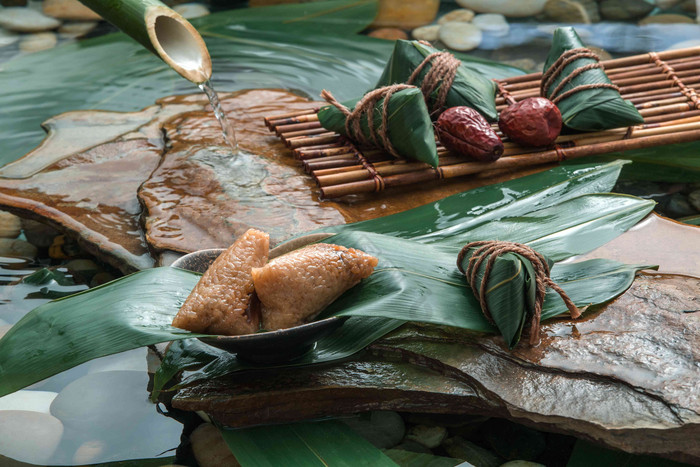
(660, 85)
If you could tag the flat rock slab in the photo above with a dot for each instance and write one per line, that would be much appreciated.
(612, 377)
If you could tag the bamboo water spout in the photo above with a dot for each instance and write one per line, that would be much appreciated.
(162, 31)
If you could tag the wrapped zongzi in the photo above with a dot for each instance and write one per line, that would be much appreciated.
(575, 81)
(509, 280)
(468, 88)
(403, 129)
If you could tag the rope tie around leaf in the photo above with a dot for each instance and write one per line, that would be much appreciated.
(488, 252)
(365, 107)
(568, 57)
(442, 74)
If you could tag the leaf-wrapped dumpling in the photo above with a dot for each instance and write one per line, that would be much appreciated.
(468, 87)
(596, 106)
(404, 130)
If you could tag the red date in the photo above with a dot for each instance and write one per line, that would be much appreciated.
(535, 121)
(464, 131)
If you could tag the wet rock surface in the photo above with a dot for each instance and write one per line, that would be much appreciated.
(612, 377)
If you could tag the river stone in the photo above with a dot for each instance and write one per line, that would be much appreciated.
(10, 225)
(134, 360)
(426, 33)
(17, 247)
(679, 206)
(566, 11)
(38, 42)
(624, 10)
(383, 429)
(191, 10)
(32, 401)
(76, 29)
(460, 36)
(601, 53)
(20, 19)
(38, 233)
(391, 34)
(90, 452)
(405, 14)
(429, 436)
(461, 15)
(685, 44)
(510, 8)
(30, 437)
(492, 23)
(470, 452)
(209, 447)
(7, 37)
(412, 446)
(694, 199)
(521, 463)
(668, 18)
(69, 9)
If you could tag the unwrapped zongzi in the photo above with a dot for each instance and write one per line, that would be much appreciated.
(468, 88)
(575, 81)
(404, 129)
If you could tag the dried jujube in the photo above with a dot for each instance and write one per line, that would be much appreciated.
(464, 131)
(535, 121)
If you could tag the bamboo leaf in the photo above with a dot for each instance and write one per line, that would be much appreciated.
(419, 459)
(303, 444)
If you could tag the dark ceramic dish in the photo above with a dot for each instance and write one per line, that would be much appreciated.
(265, 347)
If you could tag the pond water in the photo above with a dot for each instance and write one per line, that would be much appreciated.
(99, 411)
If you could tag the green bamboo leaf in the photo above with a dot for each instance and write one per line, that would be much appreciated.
(419, 459)
(409, 127)
(303, 444)
(692, 220)
(469, 88)
(590, 109)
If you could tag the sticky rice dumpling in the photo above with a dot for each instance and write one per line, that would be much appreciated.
(295, 287)
(575, 81)
(220, 302)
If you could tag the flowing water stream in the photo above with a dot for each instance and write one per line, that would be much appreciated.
(227, 128)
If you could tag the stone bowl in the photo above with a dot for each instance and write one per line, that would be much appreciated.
(271, 347)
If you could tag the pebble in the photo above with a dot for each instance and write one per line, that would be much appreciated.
(38, 234)
(679, 206)
(101, 278)
(426, 33)
(666, 4)
(17, 247)
(38, 42)
(462, 449)
(412, 446)
(191, 10)
(429, 436)
(209, 447)
(405, 14)
(624, 10)
(134, 360)
(69, 9)
(83, 270)
(566, 11)
(460, 36)
(10, 225)
(601, 53)
(460, 15)
(527, 64)
(29, 437)
(520, 463)
(391, 34)
(383, 429)
(667, 19)
(90, 452)
(492, 23)
(685, 44)
(21, 19)
(32, 401)
(7, 37)
(510, 8)
(694, 199)
(76, 29)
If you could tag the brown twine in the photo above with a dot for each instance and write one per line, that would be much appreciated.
(442, 73)
(554, 71)
(366, 105)
(687, 91)
(489, 251)
(504, 92)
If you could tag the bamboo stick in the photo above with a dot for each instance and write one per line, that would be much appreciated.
(323, 138)
(160, 30)
(281, 129)
(294, 134)
(269, 120)
(324, 153)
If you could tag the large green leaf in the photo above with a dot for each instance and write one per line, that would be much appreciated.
(304, 47)
(303, 444)
(414, 281)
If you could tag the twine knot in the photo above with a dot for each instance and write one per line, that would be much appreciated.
(366, 105)
(490, 250)
(568, 57)
(442, 73)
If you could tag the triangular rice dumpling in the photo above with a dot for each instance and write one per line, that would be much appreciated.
(589, 109)
(468, 88)
(408, 127)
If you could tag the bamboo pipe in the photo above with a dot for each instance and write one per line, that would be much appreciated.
(160, 30)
